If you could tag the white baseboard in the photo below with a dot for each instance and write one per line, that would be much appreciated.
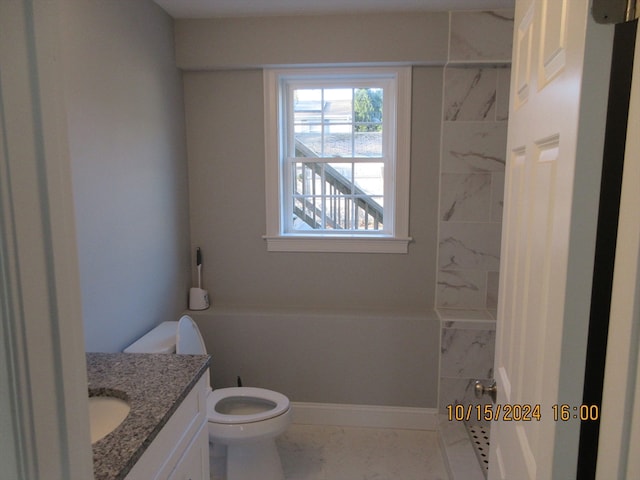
(408, 418)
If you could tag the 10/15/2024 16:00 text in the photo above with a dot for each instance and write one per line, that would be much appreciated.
(520, 412)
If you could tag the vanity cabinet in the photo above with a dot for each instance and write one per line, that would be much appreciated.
(180, 451)
(194, 464)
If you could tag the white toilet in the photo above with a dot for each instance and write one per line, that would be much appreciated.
(244, 421)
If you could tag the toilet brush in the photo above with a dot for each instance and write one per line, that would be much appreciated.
(198, 298)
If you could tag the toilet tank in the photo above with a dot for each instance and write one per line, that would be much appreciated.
(161, 339)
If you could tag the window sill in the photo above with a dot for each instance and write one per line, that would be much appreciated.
(337, 244)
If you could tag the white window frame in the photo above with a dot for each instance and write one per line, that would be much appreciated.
(395, 237)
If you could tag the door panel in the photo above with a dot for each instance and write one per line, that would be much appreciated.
(553, 39)
(523, 43)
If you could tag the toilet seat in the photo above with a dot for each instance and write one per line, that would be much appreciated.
(279, 401)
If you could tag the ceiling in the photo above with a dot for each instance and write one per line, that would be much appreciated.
(248, 8)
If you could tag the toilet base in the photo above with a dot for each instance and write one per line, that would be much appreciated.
(254, 460)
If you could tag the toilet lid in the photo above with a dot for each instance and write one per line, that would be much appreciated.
(244, 405)
(188, 338)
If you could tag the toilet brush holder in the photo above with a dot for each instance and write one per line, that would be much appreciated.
(198, 299)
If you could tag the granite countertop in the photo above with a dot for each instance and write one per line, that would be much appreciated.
(154, 385)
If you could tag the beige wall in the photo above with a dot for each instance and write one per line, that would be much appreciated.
(123, 96)
(231, 43)
(383, 358)
(225, 141)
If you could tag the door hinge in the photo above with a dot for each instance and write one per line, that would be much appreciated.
(615, 11)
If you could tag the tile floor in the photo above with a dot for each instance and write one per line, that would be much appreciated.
(310, 452)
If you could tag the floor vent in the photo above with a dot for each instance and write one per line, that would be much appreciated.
(479, 435)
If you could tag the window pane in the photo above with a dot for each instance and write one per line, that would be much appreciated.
(369, 178)
(308, 144)
(368, 122)
(307, 212)
(338, 141)
(299, 220)
(338, 178)
(307, 119)
(307, 106)
(338, 212)
(338, 105)
(368, 144)
(307, 179)
(341, 173)
(367, 106)
(368, 213)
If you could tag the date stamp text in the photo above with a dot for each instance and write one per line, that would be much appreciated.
(520, 412)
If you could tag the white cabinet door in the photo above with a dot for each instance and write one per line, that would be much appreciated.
(184, 437)
(194, 464)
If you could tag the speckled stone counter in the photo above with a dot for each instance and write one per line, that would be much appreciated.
(154, 385)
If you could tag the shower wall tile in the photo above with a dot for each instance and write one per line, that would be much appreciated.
(467, 353)
(493, 280)
(465, 318)
(465, 197)
(472, 324)
(497, 196)
(502, 94)
(473, 157)
(461, 289)
(454, 391)
(469, 246)
(470, 40)
(470, 94)
(473, 147)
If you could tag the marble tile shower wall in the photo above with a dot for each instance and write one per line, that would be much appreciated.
(474, 138)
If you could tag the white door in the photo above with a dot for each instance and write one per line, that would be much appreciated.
(559, 87)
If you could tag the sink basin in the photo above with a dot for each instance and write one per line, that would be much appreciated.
(105, 414)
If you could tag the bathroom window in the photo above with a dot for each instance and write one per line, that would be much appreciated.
(337, 159)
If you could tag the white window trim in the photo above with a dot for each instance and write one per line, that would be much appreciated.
(398, 239)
